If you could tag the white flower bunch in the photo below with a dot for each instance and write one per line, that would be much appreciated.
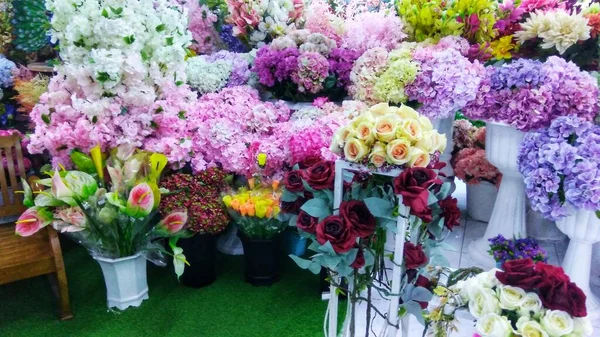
(119, 47)
(557, 29)
(305, 41)
(493, 304)
(207, 76)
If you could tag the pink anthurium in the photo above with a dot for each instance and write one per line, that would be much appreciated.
(32, 220)
(59, 187)
(141, 201)
(173, 222)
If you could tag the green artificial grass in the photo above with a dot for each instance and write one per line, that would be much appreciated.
(229, 307)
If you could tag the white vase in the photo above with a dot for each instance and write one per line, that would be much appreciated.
(125, 279)
(446, 126)
(542, 229)
(583, 228)
(480, 200)
(508, 217)
(596, 262)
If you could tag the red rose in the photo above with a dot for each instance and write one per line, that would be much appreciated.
(308, 162)
(357, 215)
(293, 181)
(306, 222)
(424, 282)
(337, 232)
(450, 212)
(519, 273)
(359, 261)
(292, 207)
(414, 256)
(557, 292)
(577, 299)
(320, 176)
(413, 185)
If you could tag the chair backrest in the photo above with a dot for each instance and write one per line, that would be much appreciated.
(11, 154)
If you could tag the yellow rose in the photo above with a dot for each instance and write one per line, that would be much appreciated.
(425, 123)
(398, 151)
(427, 142)
(411, 130)
(364, 132)
(363, 117)
(418, 158)
(440, 142)
(355, 150)
(385, 127)
(407, 112)
(337, 141)
(379, 109)
(378, 155)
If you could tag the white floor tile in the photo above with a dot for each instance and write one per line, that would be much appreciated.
(453, 258)
(474, 230)
(454, 241)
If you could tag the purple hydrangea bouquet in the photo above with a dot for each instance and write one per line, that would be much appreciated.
(302, 66)
(529, 94)
(503, 249)
(561, 167)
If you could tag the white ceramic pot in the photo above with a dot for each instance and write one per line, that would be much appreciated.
(446, 126)
(542, 229)
(125, 279)
(508, 217)
(583, 228)
(480, 200)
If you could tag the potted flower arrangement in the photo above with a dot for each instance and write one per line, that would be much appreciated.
(112, 215)
(525, 299)
(254, 210)
(199, 196)
(471, 166)
(560, 167)
(503, 250)
(302, 66)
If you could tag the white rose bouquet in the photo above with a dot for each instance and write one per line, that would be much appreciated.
(524, 299)
(389, 136)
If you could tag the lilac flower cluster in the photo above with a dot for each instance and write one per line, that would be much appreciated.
(446, 82)
(529, 94)
(232, 43)
(240, 67)
(503, 249)
(274, 66)
(561, 167)
(341, 61)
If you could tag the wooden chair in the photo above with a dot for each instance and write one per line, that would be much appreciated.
(26, 257)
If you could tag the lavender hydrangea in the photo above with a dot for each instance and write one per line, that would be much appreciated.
(503, 249)
(561, 167)
(232, 43)
(529, 94)
(6, 67)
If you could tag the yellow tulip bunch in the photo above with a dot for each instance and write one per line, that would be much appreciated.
(389, 135)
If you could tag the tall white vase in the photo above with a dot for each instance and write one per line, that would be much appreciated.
(542, 229)
(125, 279)
(508, 218)
(596, 262)
(583, 228)
(446, 126)
(480, 200)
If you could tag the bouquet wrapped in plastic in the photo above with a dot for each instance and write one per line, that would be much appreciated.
(108, 206)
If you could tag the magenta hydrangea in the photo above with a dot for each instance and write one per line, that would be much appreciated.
(341, 61)
(272, 66)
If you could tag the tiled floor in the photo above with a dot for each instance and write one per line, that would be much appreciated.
(456, 254)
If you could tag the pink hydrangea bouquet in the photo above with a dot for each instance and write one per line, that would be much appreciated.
(113, 216)
(387, 136)
(468, 157)
(438, 79)
(302, 66)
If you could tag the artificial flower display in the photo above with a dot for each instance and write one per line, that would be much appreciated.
(522, 299)
(303, 65)
(503, 249)
(29, 88)
(108, 207)
(258, 22)
(560, 167)
(211, 73)
(529, 94)
(387, 136)
(468, 157)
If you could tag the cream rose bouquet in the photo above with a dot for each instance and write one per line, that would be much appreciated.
(389, 136)
(524, 299)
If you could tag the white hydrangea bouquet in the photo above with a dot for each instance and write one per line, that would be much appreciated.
(524, 299)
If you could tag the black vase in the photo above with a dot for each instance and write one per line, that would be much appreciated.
(262, 260)
(200, 251)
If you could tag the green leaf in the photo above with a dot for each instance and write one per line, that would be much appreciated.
(104, 13)
(444, 191)
(47, 200)
(129, 39)
(117, 11)
(293, 220)
(302, 263)
(421, 294)
(327, 248)
(169, 41)
(179, 83)
(103, 77)
(160, 27)
(46, 119)
(83, 162)
(145, 56)
(288, 196)
(379, 207)
(178, 261)
(317, 208)
(181, 115)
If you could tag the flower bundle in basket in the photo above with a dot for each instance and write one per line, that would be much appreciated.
(525, 299)
(503, 250)
(254, 210)
(112, 215)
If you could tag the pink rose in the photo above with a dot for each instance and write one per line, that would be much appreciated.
(32, 220)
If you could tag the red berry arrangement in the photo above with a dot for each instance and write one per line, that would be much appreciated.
(200, 195)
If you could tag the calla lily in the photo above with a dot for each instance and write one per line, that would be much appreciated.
(116, 177)
(158, 162)
(81, 183)
(32, 220)
(61, 191)
(141, 201)
(173, 222)
(179, 261)
(132, 167)
(27, 194)
(96, 154)
(125, 151)
(114, 199)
